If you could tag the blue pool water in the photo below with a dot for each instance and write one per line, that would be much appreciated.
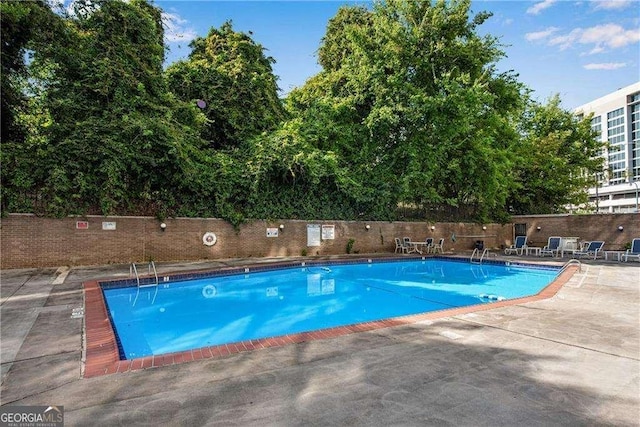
(192, 314)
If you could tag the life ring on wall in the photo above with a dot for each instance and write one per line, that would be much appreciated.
(209, 291)
(209, 239)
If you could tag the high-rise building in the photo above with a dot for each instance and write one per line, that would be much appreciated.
(616, 117)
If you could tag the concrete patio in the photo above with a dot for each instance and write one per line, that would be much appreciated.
(573, 359)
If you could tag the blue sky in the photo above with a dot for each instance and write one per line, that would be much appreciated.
(579, 49)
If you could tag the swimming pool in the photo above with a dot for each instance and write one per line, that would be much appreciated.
(183, 315)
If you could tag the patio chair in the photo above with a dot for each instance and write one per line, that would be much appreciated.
(428, 244)
(594, 249)
(553, 246)
(408, 243)
(634, 251)
(438, 246)
(518, 247)
(401, 246)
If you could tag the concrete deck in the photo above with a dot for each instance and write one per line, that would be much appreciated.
(573, 359)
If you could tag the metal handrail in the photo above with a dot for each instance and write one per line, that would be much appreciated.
(484, 252)
(151, 266)
(133, 270)
(476, 251)
(572, 261)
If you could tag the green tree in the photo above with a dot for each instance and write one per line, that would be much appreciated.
(27, 28)
(111, 138)
(231, 74)
(557, 159)
(408, 110)
(410, 101)
(338, 42)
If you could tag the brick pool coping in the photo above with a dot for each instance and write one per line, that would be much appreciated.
(101, 347)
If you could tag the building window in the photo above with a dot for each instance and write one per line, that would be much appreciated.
(617, 153)
(596, 126)
(634, 110)
(615, 113)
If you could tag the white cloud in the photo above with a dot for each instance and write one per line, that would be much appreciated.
(567, 40)
(611, 4)
(597, 49)
(539, 7)
(176, 28)
(610, 36)
(539, 35)
(605, 66)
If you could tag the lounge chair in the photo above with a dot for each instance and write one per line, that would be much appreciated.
(594, 249)
(438, 246)
(553, 246)
(634, 251)
(518, 247)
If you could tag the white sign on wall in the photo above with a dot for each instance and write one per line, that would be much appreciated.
(313, 234)
(272, 232)
(328, 232)
(108, 225)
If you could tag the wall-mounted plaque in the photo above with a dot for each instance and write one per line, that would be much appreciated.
(313, 234)
(328, 232)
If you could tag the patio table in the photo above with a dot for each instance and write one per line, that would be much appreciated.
(615, 255)
(529, 249)
(415, 247)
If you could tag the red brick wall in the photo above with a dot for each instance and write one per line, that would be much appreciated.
(30, 241)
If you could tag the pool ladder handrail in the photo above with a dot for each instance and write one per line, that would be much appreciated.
(569, 263)
(134, 270)
(476, 251)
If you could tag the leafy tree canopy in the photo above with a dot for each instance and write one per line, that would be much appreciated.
(25, 26)
(408, 110)
(417, 107)
(230, 73)
(558, 158)
(107, 134)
